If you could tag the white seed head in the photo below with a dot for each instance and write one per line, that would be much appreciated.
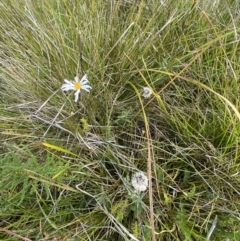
(146, 92)
(140, 182)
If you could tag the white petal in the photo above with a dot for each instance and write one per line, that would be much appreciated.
(66, 87)
(76, 79)
(77, 95)
(84, 78)
(83, 85)
(83, 82)
(86, 87)
(67, 81)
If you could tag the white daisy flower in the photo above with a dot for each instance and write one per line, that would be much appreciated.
(139, 182)
(146, 92)
(77, 85)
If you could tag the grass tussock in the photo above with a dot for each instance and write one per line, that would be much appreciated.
(66, 167)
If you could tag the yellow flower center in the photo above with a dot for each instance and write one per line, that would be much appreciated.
(77, 85)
